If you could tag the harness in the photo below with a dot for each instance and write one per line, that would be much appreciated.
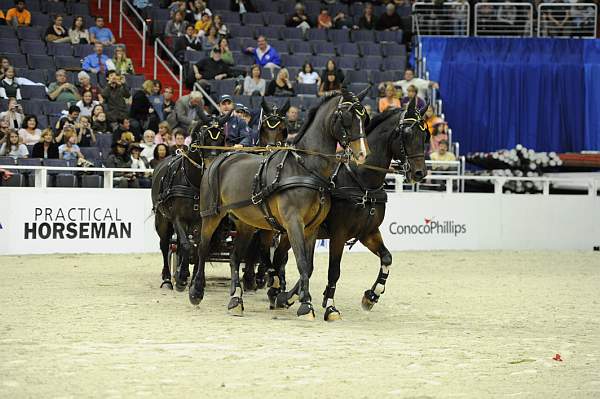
(167, 188)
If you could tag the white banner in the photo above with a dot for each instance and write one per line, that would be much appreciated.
(67, 220)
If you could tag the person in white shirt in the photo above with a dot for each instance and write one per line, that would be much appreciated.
(86, 104)
(137, 162)
(308, 75)
(422, 85)
(148, 145)
(12, 147)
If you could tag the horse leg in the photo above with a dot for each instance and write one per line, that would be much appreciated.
(277, 282)
(375, 244)
(264, 257)
(251, 253)
(209, 225)
(184, 248)
(165, 231)
(242, 241)
(336, 249)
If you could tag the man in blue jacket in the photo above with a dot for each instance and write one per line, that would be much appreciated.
(265, 55)
(237, 133)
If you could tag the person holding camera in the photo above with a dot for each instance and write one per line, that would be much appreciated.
(114, 94)
(66, 121)
(14, 114)
(85, 134)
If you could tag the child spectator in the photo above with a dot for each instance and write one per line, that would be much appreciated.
(18, 15)
(9, 86)
(99, 123)
(70, 150)
(46, 148)
(161, 151)
(56, 33)
(29, 133)
(390, 100)
(78, 33)
(254, 84)
(85, 134)
(12, 147)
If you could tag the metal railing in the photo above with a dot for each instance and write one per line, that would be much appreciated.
(158, 43)
(567, 20)
(442, 19)
(503, 19)
(142, 35)
(198, 87)
(109, 9)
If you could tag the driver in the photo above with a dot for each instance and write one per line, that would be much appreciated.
(237, 132)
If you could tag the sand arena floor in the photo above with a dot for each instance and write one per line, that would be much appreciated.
(451, 324)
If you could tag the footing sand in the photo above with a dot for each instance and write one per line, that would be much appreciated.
(450, 324)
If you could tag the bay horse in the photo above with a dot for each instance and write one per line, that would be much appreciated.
(359, 200)
(175, 194)
(284, 191)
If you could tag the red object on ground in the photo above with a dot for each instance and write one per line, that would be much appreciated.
(557, 358)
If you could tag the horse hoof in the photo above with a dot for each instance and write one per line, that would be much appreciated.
(281, 301)
(272, 295)
(306, 311)
(369, 300)
(260, 283)
(167, 284)
(332, 314)
(236, 306)
(180, 286)
(249, 285)
(195, 296)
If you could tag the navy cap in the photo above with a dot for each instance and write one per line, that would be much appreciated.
(225, 97)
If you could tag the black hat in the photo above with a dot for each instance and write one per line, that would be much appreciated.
(225, 97)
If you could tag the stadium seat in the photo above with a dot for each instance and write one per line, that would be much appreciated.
(323, 48)
(278, 101)
(286, 7)
(16, 60)
(40, 62)
(246, 100)
(338, 36)
(225, 86)
(29, 173)
(33, 107)
(394, 63)
(230, 17)
(273, 19)
(370, 62)
(7, 32)
(82, 50)
(79, 8)
(65, 180)
(54, 8)
(347, 62)
(69, 63)
(135, 81)
(33, 92)
(344, 49)
(356, 9)
(390, 49)
(9, 45)
(270, 32)
(316, 34)
(319, 61)
(91, 181)
(389, 36)
(40, 19)
(300, 47)
(5, 160)
(253, 18)
(160, 14)
(291, 33)
(292, 60)
(240, 31)
(384, 76)
(65, 49)
(30, 32)
(369, 48)
(193, 56)
(362, 36)
(312, 7)
(360, 76)
(91, 153)
(306, 89)
(16, 180)
(55, 107)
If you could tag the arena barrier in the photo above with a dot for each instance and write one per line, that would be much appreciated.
(73, 220)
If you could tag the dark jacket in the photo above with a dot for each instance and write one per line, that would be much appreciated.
(273, 89)
(114, 100)
(140, 106)
(182, 43)
(38, 151)
(386, 21)
(364, 24)
(210, 68)
(238, 132)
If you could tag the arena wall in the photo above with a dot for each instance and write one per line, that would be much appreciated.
(55, 220)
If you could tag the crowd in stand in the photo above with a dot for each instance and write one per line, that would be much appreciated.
(143, 126)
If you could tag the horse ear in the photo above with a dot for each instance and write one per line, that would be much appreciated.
(265, 106)
(225, 118)
(363, 93)
(284, 109)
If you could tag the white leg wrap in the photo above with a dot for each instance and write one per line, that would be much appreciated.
(385, 269)
(238, 292)
(330, 302)
(294, 298)
(379, 289)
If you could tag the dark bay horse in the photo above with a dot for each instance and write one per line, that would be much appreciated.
(358, 201)
(284, 191)
(175, 194)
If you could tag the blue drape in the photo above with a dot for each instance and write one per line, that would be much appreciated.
(499, 92)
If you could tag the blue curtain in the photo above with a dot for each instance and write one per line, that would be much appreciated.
(542, 93)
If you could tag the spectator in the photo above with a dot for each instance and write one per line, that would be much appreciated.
(12, 148)
(177, 5)
(204, 24)
(265, 55)
(243, 113)
(70, 120)
(213, 68)
(389, 20)
(324, 19)
(189, 41)
(443, 155)
(177, 25)
(14, 114)
(341, 21)
(330, 85)
(157, 99)
(368, 20)
(4, 127)
(70, 151)
(242, 6)
(123, 127)
(390, 100)
(332, 67)
(119, 159)
(9, 86)
(161, 151)
(210, 40)
(222, 29)
(148, 145)
(281, 85)
(30, 133)
(411, 92)
(122, 64)
(168, 103)
(46, 147)
(143, 7)
(254, 84)
(299, 19)
(293, 122)
(61, 90)
(78, 33)
(128, 137)
(56, 33)
(187, 110)
(439, 134)
(236, 130)
(142, 111)
(226, 54)
(85, 84)
(139, 163)
(99, 123)
(4, 65)
(422, 85)
(308, 76)
(18, 15)
(179, 142)
(97, 61)
(101, 34)
(164, 135)
(85, 134)
(114, 94)
(87, 103)
(195, 10)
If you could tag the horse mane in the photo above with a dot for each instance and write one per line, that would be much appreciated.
(382, 117)
(311, 116)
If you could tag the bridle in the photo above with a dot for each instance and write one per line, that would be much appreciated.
(398, 132)
(360, 112)
(272, 121)
(214, 131)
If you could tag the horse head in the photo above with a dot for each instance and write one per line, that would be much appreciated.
(273, 126)
(349, 124)
(209, 132)
(409, 141)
